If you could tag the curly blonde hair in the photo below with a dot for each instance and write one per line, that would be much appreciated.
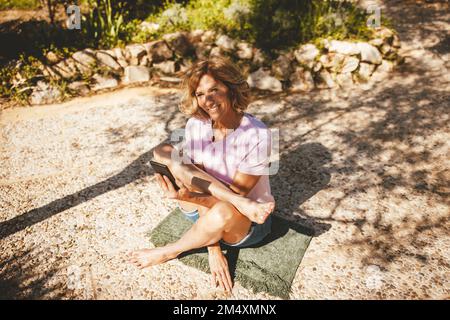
(220, 69)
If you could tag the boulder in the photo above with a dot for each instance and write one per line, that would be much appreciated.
(345, 80)
(179, 43)
(365, 71)
(167, 67)
(301, 80)
(259, 58)
(103, 82)
(382, 71)
(195, 36)
(333, 61)
(66, 69)
(158, 51)
(85, 61)
(282, 67)
(79, 87)
(350, 64)
(343, 47)
(107, 60)
(134, 53)
(326, 80)
(245, 51)
(262, 80)
(217, 52)
(306, 54)
(136, 74)
(202, 50)
(44, 93)
(208, 37)
(225, 43)
(369, 53)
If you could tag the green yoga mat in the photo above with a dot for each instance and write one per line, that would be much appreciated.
(268, 266)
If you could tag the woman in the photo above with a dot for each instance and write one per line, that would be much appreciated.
(223, 178)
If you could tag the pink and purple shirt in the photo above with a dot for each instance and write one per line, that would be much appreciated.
(246, 149)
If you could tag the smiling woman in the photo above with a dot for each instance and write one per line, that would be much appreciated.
(224, 175)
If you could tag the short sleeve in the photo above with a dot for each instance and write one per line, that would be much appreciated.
(192, 144)
(257, 160)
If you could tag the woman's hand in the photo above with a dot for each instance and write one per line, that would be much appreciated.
(219, 270)
(169, 189)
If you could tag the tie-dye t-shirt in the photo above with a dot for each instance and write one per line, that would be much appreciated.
(246, 149)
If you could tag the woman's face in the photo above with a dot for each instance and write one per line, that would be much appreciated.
(213, 97)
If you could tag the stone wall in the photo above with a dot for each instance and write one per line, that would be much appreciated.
(332, 64)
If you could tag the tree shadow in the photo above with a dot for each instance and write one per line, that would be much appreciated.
(21, 278)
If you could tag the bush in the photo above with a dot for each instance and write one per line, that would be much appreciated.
(19, 4)
(269, 24)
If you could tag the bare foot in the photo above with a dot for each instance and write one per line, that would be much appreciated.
(255, 211)
(149, 257)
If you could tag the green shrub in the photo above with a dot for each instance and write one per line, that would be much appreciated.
(19, 4)
(269, 24)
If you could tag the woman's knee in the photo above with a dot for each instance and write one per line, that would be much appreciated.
(222, 212)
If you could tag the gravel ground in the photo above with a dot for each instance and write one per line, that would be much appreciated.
(369, 170)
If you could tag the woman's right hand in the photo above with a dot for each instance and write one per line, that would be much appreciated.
(169, 189)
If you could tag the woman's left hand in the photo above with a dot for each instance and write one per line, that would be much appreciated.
(169, 189)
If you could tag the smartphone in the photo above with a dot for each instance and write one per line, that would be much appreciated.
(164, 170)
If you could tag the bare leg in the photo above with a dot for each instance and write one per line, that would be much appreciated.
(222, 221)
(189, 174)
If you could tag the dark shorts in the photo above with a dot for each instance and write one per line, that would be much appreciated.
(256, 233)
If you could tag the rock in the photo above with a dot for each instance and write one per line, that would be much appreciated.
(382, 71)
(136, 74)
(245, 51)
(167, 67)
(386, 49)
(396, 42)
(179, 43)
(326, 80)
(196, 36)
(317, 66)
(216, 52)
(262, 80)
(350, 64)
(103, 82)
(158, 51)
(378, 42)
(301, 80)
(67, 69)
(306, 54)
(259, 58)
(107, 60)
(365, 70)
(52, 57)
(282, 67)
(208, 37)
(171, 79)
(225, 43)
(333, 61)
(80, 87)
(343, 47)
(145, 61)
(386, 34)
(345, 80)
(85, 61)
(44, 93)
(202, 51)
(134, 53)
(150, 27)
(369, 53)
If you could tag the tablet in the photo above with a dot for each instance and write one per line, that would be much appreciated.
(164, 170)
